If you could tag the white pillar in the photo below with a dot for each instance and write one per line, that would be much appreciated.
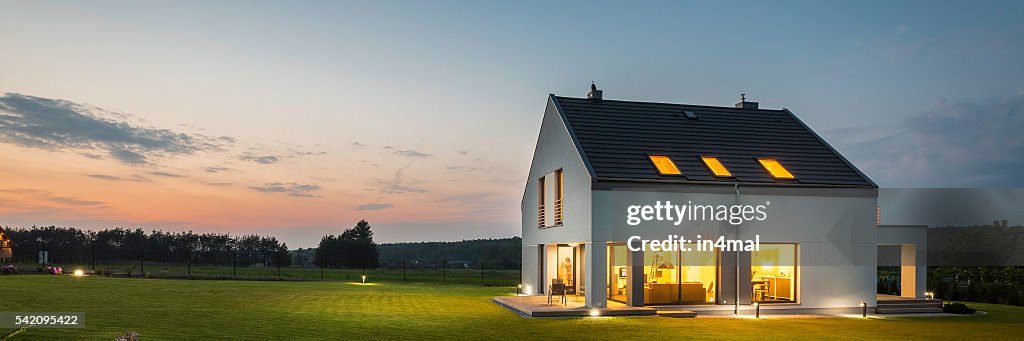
(635, 282)
(597, 274)
(908, 270)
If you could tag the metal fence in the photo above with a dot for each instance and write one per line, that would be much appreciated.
(251, 265)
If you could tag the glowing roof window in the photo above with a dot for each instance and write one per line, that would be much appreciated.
(665, 165)
(775, 169)
(715, 166)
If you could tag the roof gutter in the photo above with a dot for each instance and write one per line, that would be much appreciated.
(709, 183)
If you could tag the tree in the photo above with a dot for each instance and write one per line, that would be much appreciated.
(972, 292)
(353, 248)
(1013, 297)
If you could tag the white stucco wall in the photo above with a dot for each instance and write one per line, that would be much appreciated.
(835, 233)
(555, 150)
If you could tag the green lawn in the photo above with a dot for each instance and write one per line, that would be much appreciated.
(183, 309)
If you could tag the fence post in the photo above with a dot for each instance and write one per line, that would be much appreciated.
(403, 270)
(482, 273)
(321, 266)
(234, 264)
(444, 271)
(279, 259)
(142, 261)
(94, 255)
(188, 253)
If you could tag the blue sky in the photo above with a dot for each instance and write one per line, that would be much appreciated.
(371, 109)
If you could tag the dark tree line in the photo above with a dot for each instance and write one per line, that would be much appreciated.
(66, 244)
(505, 253)
(353, 248)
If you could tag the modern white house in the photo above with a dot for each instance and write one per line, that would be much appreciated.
(815, 216)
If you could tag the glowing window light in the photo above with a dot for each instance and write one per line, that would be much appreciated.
(665, 165)
(715, 166)
(775, 169)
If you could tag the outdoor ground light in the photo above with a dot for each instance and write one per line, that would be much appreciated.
(595, 312)
(929, 295)
(79, 272)
(864, 309)
(519, 289)
(364, 279)
(757, 310)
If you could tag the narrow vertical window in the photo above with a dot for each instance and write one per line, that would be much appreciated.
(878, 214)
(540, 202)
(559, 176)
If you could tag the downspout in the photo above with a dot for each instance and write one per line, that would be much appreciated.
(736, 299)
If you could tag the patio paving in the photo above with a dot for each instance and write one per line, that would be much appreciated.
(537, 306)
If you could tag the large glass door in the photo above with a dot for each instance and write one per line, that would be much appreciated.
(680, 277)
(618, 272)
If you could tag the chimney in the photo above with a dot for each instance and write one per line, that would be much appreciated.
(594, 95)
(743, 104)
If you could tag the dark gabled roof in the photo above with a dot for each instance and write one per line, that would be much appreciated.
(616, 138)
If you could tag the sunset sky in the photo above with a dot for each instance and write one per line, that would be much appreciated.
(297, 119)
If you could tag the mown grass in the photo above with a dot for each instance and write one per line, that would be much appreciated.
(206, 309)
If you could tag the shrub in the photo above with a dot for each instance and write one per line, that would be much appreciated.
(972, 292)
(128, 336)
(1013, 297)
(940, 289)
(992, 294)
(10, 269)
(954, 294)
(957, 308)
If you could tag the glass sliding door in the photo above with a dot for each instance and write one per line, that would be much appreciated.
(661, 277)
(680, 277)
(773, 273)
(618, 272)
(566, 257)
(698, 271)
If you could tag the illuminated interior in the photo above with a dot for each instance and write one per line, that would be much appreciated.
(773, 273)
(665, 165)
(679, 277)
(775, 169)
(715, 166)
(566, 257)
(618, 273)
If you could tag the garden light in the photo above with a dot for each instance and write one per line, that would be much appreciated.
(864, 309)
(595, 312)
(519, 289)
(364, 279)
(757, 310)
(79, 272)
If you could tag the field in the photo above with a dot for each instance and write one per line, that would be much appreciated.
(210, 309)
(488, 277)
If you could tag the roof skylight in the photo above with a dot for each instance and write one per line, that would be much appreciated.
(775, 169)
(665, 165)
(715, 166)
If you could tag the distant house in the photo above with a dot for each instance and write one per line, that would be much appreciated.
(597, 159)
(6, 246)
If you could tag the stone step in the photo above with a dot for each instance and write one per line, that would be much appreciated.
(911, 304)
(677, 313)
(907, 310)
